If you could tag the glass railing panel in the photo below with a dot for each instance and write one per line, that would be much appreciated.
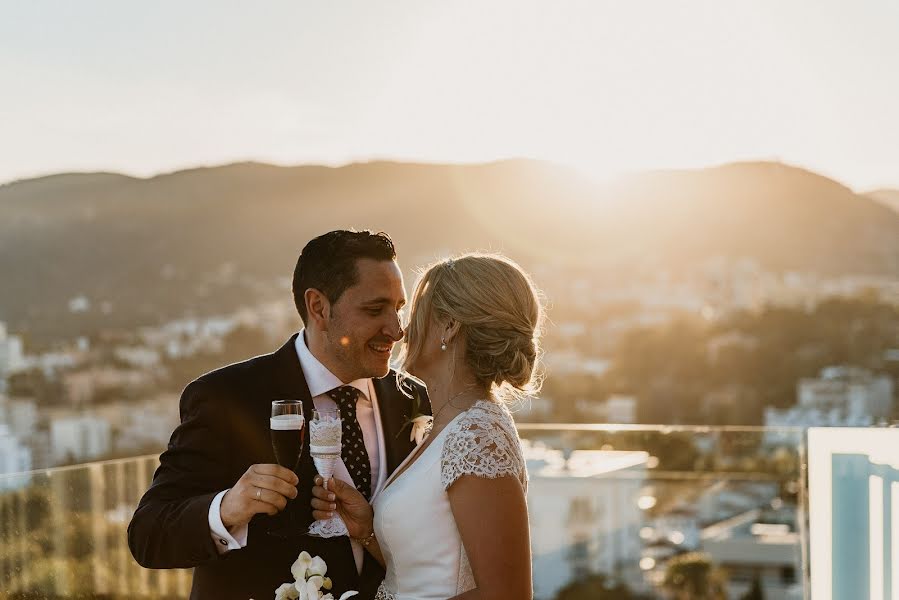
(652, 512)
(63, 534)
(616, 512)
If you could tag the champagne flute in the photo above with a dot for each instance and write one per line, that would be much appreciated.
(325, 432)
(287, 431)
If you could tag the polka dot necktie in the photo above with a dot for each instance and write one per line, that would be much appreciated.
(353, 451)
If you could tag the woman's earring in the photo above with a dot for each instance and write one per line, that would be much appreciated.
(443, 344)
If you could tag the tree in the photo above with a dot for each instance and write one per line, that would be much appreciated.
(693, 576)
(597, 586)
(755, 592)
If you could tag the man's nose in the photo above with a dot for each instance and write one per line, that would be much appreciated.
(395, 329)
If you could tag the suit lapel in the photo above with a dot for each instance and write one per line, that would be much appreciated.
(395, 408)
(290, 374)
(276, 376)
(291, 384)
(284, 380)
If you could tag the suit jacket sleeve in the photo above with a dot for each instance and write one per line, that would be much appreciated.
(170, 527)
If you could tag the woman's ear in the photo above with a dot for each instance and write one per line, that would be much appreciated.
(451, 330)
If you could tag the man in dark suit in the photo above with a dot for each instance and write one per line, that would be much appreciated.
(218, 493)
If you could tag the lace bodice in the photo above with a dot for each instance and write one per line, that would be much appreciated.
(413, 519)
(482, 442)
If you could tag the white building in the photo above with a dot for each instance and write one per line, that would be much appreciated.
(79, 438)
(584, 514)
(12, 356)
(616, 409)
(747, 547)
(51, 362)
(146, 426)
(138, 356)
(621, 409)
(679, 528)
(84, 385)
(725, 499)
(186, 337)
(15, 457)
(839, 397)
(570, 362)
(533, 409)
(780, 423)
(852, 390)
(21, 415)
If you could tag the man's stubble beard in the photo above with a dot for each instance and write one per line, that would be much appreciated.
(344, 353)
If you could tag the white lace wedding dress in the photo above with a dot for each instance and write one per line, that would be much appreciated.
(413, 521)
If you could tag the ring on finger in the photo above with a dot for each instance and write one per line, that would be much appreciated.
(258, 493)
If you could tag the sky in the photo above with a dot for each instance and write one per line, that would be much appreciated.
(604, 86)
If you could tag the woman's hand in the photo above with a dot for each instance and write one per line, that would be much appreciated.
(347, 501)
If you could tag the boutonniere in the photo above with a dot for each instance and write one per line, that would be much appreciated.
(418, 422)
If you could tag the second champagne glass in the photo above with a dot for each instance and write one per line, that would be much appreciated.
(325, 446)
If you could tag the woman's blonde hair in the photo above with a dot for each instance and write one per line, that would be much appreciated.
(498, 308)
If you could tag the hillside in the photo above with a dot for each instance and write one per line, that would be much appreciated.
(887, 197)
(208, 239)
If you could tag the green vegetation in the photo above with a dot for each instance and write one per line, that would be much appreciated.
(64, 536)
(693, 576)
(727, 372)
(596, 587)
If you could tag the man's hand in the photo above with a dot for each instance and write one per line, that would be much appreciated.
(262, 489)
(353, 508)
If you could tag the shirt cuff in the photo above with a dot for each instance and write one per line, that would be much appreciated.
(224, 540)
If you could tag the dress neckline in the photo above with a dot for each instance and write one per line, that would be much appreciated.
(416, 454)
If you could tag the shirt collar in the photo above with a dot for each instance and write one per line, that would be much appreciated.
(319, 379)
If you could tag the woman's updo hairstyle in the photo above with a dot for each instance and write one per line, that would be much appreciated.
(501, 318)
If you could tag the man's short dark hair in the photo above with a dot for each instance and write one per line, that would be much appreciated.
(328, 263)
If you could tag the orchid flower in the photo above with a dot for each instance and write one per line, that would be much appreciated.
(318, 566)
(301, 565)
(420, 427)
(286, 591)
(309, 573)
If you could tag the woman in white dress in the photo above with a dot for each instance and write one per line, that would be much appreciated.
(452, 520)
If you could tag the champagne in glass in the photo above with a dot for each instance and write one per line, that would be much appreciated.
(324, 446)
(287, 431)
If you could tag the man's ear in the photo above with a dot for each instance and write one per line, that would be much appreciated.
(318, 308)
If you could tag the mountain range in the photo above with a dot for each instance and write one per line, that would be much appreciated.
(208, 239)
(887, 197)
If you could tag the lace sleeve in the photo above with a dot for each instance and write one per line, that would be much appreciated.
(483, 444)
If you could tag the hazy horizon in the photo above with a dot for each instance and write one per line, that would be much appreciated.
(603, 87)
(611, 179)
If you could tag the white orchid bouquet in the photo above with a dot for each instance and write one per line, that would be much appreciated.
(309, 581)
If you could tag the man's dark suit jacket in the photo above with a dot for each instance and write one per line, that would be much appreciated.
(225, 429)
